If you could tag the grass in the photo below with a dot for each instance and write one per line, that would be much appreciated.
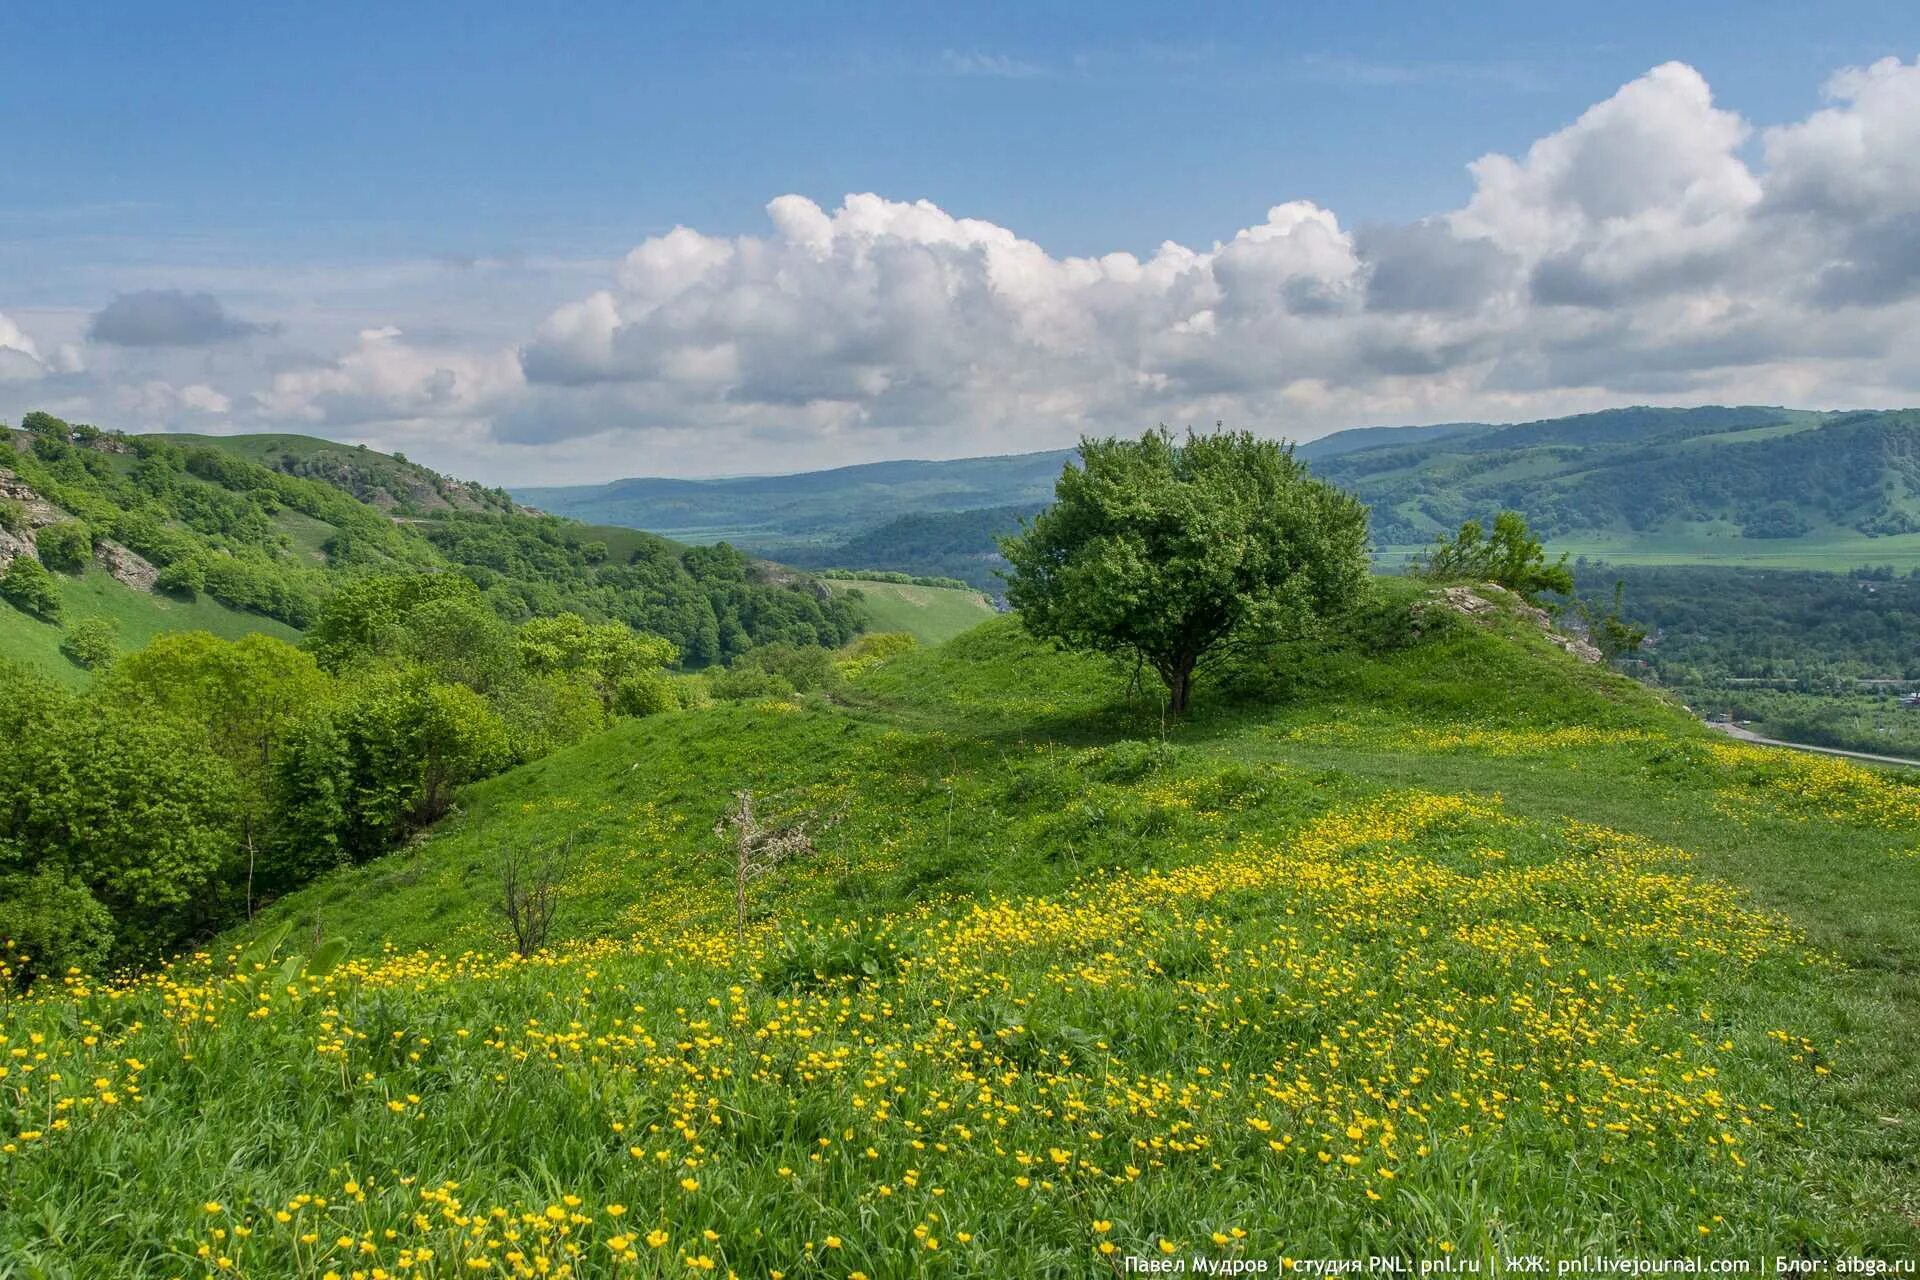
(1445, 946)
(140, 616)
(930, 614)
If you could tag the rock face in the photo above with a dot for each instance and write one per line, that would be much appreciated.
(39, 510)
(1488, 598)
(127, 566)
(11, 545)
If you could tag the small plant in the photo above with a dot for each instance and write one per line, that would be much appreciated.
(757, 847)
(1610, 633)
(530, 894)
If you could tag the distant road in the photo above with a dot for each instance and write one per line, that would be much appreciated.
(1747, 735)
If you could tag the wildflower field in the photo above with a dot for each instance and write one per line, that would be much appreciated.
(1459, 949)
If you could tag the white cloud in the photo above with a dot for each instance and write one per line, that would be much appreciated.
(1658, 247)
(385, 380)
(19, 356)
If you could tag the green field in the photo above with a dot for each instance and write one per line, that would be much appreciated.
(929, 614)
(140, 616)
(1435, 945)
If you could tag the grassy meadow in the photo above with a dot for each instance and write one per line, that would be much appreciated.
(1426, 945)
(138, 615)
(928, 614)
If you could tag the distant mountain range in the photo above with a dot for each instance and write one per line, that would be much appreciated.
(1746, 484)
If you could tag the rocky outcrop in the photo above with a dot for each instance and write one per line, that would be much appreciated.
(11, 545)
(1489, 598)
(126, 566)
(38, 510)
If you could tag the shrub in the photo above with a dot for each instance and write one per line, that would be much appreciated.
(644, 693)
(744, 683)
(805, 667)
(1510, 556)
(30, 588)
(13, 515)
(53, 923)
(184, 577)
(92, 642)
(67, 546)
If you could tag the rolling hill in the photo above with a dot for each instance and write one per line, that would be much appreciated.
(929, 614)
(1734, 485)
(1046, 983)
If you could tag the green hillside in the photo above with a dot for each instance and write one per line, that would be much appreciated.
(810, 509)
(386, 481)
(1756, 486)
(137, 617)
(928, 614)
(1419, 940)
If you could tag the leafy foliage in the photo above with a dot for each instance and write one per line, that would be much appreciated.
(1510, 556)
(28, 586)
(66, 545)
(1163, 550)
(92, 642)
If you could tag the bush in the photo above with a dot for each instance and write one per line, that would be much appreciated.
(13, 515)
(92, 642)
(67, 546)
(744, 683)
(184, 577)
(644, 693)
(53, 923)
(1510, 556)
(805, 667)
(30, 588)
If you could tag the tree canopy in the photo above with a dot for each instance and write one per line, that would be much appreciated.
(1166, 550)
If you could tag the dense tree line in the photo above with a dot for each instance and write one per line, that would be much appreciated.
(711, 602)
(199, 776)
(1712, 624)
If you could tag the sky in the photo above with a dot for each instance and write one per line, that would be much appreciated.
(570, 242)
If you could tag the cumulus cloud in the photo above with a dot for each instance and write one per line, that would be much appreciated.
(386, 380)
(1659, 246)
(1634, 252)
(168, 318)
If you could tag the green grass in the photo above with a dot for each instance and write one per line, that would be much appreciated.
(140, 616)
(929, 614)
(1458, 910)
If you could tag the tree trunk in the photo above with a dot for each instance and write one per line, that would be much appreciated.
(1179, 684)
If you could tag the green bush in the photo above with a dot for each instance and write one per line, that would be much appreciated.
(644, 693)
(92, 642)
(184, 577)
(805, 667)
(744, 683)
(13, 515)
(67, 546)
(52, 924)
(30, 588)
(1510, 556)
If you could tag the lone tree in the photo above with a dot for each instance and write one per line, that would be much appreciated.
(1169, 551)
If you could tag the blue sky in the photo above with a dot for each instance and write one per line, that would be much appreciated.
(459, 173)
